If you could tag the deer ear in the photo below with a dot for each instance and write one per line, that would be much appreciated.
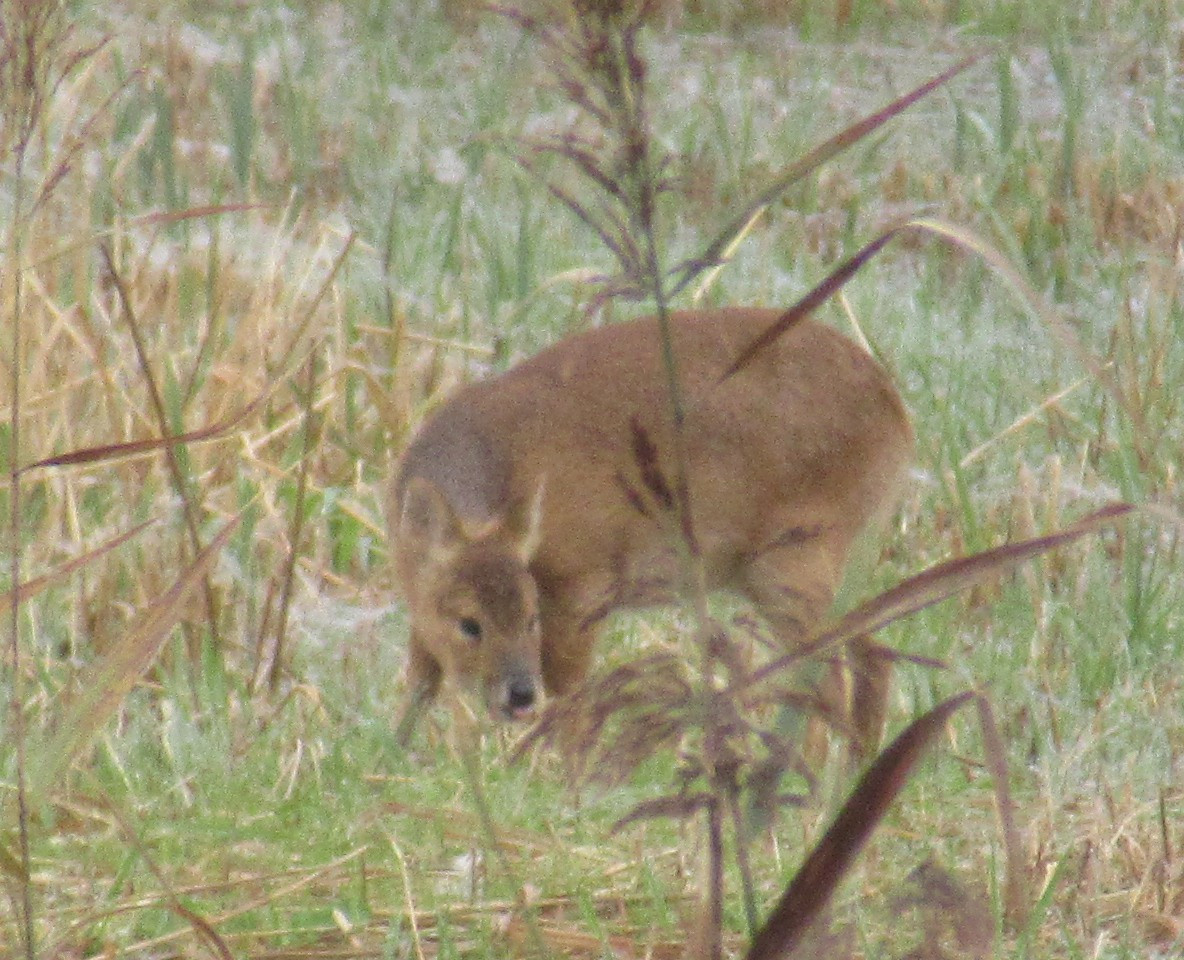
(426, 518)
(524, 521)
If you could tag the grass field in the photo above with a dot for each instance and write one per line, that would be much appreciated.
(301, 224)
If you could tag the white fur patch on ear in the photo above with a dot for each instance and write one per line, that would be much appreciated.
(524, 521)
(426, 517)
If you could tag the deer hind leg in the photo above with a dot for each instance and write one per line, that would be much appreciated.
(871, 686)
(793, 584)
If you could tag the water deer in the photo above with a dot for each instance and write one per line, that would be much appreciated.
(519, 521)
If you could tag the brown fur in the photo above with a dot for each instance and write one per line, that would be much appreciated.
(520, 516)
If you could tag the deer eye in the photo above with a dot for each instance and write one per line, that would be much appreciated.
(471, 629)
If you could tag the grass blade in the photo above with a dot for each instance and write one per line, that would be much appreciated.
(105, 684)
(1041, 310)
(30, 588)
(811, 888)
(169, 217)
(939, 583)
(1016, 900)
(296, 530)
(811, 301)
(806, 165)
(117, 451)
(189, 497)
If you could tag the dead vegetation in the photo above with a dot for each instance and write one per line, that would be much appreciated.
(218, 415)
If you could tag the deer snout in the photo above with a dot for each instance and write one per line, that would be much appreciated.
(520, 695)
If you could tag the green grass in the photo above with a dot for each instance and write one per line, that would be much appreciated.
(291, 820)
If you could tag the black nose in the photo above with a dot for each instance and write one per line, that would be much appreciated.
(520, 696)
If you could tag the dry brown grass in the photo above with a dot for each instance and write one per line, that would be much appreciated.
(229, 289)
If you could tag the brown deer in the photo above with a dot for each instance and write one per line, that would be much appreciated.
(520, 517)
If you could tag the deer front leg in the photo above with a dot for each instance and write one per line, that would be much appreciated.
(568, 642)
(423, 677)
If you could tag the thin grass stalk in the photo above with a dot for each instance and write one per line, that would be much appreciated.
(111, 452)
(34, 60)
(1165, 839)
(300, 330)
(207, 345)
(741, 834)
(816, 880)
(644, 197)
(689, 270)
(645, 206)
(241, 908)
(713, 940)
(412, 913)
(296, 533)
(203, 930)
(22, 55)
(472, 770)
(937, 583)
(104, 685)
(14, 526)
(260, 665)
(1016, 901)
(25, 591)
(395, 321)
(177, 474)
